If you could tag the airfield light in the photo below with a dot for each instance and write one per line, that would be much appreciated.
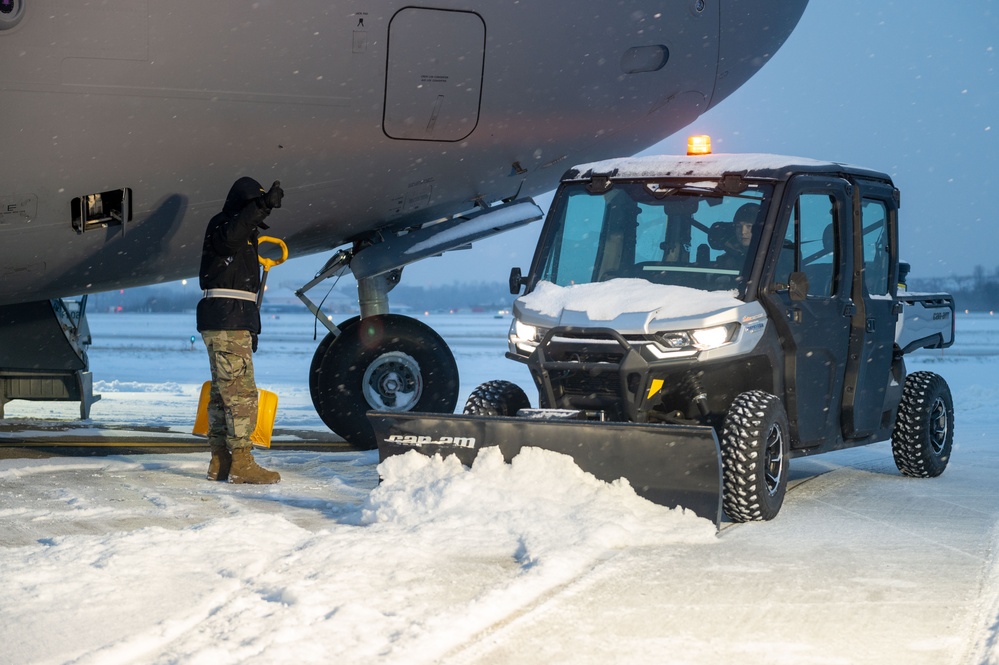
(699, 145)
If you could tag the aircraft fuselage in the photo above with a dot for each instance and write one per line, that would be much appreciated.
(375, 115)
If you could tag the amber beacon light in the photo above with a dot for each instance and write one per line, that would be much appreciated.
(699, 145)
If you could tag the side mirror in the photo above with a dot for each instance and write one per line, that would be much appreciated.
(516, 281)
(797, 286)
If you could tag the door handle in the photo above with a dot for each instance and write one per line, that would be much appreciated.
(794, 314)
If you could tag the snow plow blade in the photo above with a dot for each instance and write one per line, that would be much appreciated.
(672, 465)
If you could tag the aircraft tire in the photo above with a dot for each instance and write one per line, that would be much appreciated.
(755, 449)
(317, 357)
(496, 398)
(923, 436)
(383, 363)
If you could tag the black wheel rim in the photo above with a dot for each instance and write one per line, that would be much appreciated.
(938, 426)
(773, 459)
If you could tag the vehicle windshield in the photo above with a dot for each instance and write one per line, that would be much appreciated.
(688, 234)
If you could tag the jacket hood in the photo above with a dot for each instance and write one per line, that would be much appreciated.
(243, 190)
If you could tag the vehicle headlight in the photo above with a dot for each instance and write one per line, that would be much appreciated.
(525, 332)
(676, 340)
(709, 338)
(701, 338)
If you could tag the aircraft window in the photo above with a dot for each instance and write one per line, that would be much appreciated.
(11, 12)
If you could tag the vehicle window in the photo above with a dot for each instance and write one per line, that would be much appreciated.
(663, 233)
(876, 259)
(810, 245)
(574, 257)
(651, 234)
(787, 260)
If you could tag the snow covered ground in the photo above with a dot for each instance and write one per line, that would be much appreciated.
(138, 559)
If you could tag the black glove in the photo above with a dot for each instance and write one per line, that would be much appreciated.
(272, 199)
(253, 342)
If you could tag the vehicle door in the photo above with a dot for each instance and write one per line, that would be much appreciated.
(868, 367)
(808, 293)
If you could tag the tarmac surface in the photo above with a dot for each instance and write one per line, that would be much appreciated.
(40, 439)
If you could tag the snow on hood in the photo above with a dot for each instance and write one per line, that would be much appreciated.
(604, 301)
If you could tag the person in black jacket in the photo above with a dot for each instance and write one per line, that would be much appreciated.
(229, 322)
(737, 247)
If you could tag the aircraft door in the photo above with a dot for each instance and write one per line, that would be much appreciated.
(868, 368)
(810, 291)
(433, 84)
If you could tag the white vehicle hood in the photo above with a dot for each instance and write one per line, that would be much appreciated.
(626, 305)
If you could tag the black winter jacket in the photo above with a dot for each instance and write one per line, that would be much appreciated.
(229, 259)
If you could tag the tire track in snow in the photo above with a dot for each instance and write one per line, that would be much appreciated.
(478, 643)
(985, 650)
(153, 643)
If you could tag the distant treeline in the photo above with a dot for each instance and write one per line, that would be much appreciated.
(976, 292)
(469, 296)
(174, 297)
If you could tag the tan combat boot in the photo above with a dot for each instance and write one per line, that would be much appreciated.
(244, 469)
(218, 468)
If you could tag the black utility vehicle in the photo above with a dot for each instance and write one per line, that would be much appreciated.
(693, 323)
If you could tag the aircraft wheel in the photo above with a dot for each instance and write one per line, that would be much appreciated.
(383, 363)
(755, 446)
(497, 398)
(317, 357)
(923, 436)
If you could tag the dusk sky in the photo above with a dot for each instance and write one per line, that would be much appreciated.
(909, 87)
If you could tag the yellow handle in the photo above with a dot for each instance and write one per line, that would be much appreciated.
(270, 263)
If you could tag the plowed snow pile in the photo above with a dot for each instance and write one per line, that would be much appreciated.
(435, 554)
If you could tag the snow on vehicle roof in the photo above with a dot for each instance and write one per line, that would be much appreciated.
(708, 166)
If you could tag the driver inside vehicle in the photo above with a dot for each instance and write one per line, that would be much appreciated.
(737, 246)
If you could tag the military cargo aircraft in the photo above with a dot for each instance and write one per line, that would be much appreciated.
(398, 131)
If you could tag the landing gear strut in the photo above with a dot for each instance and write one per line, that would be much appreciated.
(386, 362)
(377, 361)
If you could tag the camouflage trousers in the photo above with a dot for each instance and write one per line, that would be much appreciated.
(232, 407)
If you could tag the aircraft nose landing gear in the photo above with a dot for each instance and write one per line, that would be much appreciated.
(386, 363)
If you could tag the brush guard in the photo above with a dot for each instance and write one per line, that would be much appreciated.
(596, 370)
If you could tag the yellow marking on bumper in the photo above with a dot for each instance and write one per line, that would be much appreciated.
(657, 385)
